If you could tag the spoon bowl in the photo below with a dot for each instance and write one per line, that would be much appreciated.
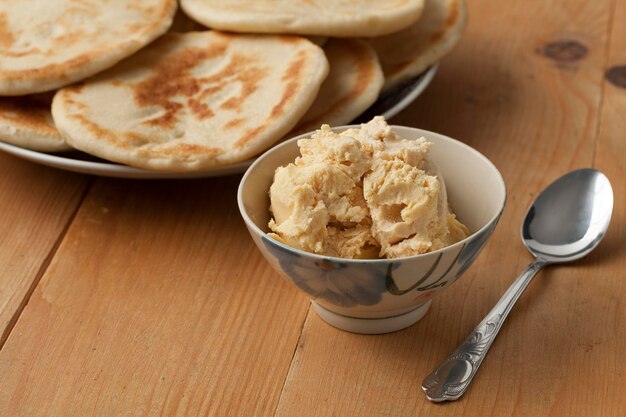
(569, 218)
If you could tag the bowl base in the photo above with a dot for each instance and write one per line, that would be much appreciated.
(371, 325)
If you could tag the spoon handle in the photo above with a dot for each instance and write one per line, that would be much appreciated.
(452, 377)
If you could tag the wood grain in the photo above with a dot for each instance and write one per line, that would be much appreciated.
(604, 337)
(36, 205)
(524, 88)
(157, 303)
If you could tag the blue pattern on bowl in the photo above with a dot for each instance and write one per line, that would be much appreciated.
(474, 247)
(340, 283)
(352, 284)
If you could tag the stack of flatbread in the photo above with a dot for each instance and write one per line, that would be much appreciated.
(218, 82)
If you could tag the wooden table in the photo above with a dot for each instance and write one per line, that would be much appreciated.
(131, 298)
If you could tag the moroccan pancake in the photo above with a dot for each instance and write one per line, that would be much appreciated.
(27, 122)
(341, 18)
(408, 53)
(352, 85)
(46, 44)
(194, 100)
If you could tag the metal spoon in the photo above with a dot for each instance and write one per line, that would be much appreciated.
(566, 222)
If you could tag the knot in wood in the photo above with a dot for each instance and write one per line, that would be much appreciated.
(565, 51)
(616, 75)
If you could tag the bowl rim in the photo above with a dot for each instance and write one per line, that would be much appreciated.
(252, 226)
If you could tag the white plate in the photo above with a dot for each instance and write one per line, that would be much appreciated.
(388, 104)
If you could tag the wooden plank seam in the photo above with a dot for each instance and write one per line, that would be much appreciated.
(44, 266)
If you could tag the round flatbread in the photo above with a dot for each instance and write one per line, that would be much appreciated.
(46, 44)
(352, 85)
(195, 100)
(410, 52)
(341, 18)
(27, 122)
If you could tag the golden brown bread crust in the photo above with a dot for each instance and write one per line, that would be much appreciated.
(194, 100)
(337, 18)
(40, 55)
(353, 84)
(27, 122)
(28, 112)
(411, 51)
(452, 20)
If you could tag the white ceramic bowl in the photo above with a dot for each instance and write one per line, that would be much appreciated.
(380, 295)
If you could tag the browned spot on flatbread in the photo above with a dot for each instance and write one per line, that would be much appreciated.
(6, 37)
(213, 89)
(289, 39)
(136, 139)
(185, 151)
(225, 36)
(292, 77)
(74, 89)
(453, 16)
(250, 134)
(77, 104)
(243, 70)
(230, 104)
(172, 81)
(200, 109)
(172, 77)
(96, 130)
(234, 123)
(28, 112)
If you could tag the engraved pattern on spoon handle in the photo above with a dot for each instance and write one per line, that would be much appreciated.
(452, 377)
